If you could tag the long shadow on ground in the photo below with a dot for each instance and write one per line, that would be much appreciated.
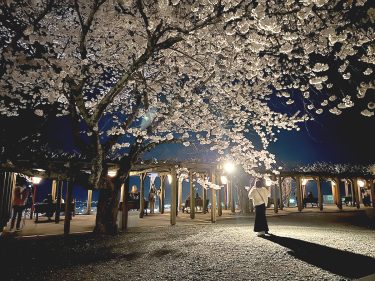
(339, 262)
(20, 258)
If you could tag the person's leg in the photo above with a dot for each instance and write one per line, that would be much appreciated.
(19, 216)
(13, 218)
(260, 224)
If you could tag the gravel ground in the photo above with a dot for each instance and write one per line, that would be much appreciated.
(318, 246)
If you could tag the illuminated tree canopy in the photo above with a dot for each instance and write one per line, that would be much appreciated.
(137, 73)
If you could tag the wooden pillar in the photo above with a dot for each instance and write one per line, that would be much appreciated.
(346, 188)
(162, 194)
(333, 190)
(281, 193)
(142, 196)
(356, 192)
(53, 190)
(89, 201)
(192, 196)
(173, 197)
(59, 188)
(204, 197)
(125, 210)
(274, 195)
(232, 201)
(226, 196)
(180, 199)
(320, 193)
(68, 207)
(219, 200)
(372, 192)
(338, 194)
(213, 198)
(298, 193)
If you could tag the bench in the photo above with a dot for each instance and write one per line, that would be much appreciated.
(134, 204)
(198, 204)
(311, 200)
(50, 209)
(347, 200)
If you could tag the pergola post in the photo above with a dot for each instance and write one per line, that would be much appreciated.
(58, 201)
(173, 197)
(68, 204)
(372, 192)
(274, 195)
(142, 195)
(333, 190)
(356, 192)
(213, 198)
(204, 198)
(226, 196)
(346, 188)
(219, 206)
(53, 190)
(232, 201)
(89, 202)
(162, 194)
(338, 194)
(281, 193)
(180, 199)
(192, 196)
(320, 193)
(298, 193)
(125, 212)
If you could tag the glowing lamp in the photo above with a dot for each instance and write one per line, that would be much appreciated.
(112, 173)
(229, 167)
(304, 181)
(360, 183)
(36, 180)
(224, 179)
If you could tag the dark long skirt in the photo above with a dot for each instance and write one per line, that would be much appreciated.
(260, 218)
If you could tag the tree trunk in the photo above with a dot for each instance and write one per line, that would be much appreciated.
(107, 209)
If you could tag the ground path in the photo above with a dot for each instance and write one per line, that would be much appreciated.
(305, 246)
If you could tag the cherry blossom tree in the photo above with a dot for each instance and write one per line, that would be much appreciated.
(133, 74)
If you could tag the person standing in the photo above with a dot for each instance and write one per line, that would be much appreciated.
(20, 195)
(151, 199)
(259, 194)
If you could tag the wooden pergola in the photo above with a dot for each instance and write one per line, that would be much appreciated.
(351, 179)
(170, 168)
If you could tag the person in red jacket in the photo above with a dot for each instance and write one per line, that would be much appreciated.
(20, 194)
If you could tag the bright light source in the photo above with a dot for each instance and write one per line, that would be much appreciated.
(224, 180)
(229, 167)
(170, 179)
(112, 173)
(268, 182)
(304, 181)
(36, 180)
(361, 183)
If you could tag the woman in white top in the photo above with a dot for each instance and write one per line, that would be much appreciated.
(259, 194)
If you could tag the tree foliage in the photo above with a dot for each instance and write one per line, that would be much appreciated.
(133, 74)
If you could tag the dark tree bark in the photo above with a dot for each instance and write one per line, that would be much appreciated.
(107, 209)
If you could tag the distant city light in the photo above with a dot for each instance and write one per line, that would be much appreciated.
(229, 167)
(36, 180)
